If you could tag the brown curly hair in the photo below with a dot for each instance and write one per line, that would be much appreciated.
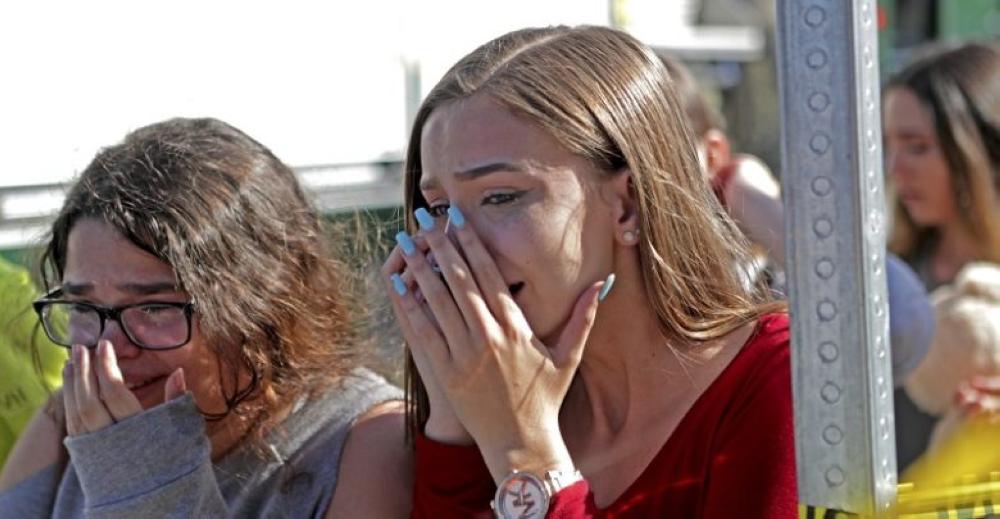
(243, 241)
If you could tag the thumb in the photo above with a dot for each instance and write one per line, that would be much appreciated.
(176, 386)
(569, 348)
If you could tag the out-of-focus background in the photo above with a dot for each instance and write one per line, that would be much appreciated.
(331, 86)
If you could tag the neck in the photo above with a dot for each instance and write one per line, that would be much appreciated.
(225, 434)
(626, 355)
(228, 433)
(956, 246)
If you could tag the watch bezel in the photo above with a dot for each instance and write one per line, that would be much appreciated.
(538, 487)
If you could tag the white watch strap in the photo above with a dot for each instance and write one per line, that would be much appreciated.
(557, 480)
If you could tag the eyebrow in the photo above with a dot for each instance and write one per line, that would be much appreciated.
(141, 289)
(474, 173)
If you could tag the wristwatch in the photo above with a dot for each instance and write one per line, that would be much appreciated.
(523, 495)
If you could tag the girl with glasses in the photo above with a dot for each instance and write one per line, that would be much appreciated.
(214, 368)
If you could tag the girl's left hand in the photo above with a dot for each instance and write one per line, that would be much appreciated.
(94, 391)
(505, 386)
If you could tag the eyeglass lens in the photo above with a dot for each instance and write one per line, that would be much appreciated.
(150, 326)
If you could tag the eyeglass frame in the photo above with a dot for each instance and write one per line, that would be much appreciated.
(113, 313)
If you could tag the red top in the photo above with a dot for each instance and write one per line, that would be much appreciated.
(720, 182)
(734, 452)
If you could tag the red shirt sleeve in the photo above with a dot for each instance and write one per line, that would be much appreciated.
(452, 481)
(573, 502)
(753, 468)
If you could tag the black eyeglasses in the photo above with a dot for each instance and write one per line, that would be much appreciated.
(152, 325)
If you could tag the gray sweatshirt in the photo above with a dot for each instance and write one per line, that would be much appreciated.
(157, 464)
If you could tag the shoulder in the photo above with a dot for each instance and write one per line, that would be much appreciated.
(770, 341)
(38, 447)
(761, 374)
(376, 466)
(751, 176)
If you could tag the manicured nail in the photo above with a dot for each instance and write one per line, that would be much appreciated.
(424, 218)
(456, 217)
(608, 283)
(406, 243)
(397, 283)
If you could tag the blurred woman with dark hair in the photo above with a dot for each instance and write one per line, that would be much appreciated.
(942, 145)
(214, 368)
(941, 125)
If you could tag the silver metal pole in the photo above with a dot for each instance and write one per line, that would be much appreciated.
(835, 228)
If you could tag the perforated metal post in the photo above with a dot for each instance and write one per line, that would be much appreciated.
(835, 228)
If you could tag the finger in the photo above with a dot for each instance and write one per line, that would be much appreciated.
(73, 425)
(423, 336)
(989, 385)
(492, 287)
(92, 412)
(568, 349)
(416, 347)
(446, 308)
(458, 274)
(395, 263)
(175, 386)
(118, 399)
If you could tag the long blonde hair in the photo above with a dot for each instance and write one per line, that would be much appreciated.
(607, 97)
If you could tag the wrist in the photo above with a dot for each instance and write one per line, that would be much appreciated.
(536, 454)
(446, 430)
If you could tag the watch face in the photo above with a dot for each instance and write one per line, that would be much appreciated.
(521, 496)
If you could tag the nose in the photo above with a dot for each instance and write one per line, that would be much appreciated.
(113, 333)
(895, 166)
(891, 159)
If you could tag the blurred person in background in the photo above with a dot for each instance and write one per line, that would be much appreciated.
(941, 126)
(590, 345)
(215, 364)
(742, 183)
(752, 197)
(30, 365)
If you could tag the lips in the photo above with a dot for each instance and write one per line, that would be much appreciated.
(136, 383)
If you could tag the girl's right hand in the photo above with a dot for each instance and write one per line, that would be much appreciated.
(442, 423)
(94, 391)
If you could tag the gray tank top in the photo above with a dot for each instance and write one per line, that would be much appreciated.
(156, 464)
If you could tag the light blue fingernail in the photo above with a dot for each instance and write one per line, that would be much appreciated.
(406, 243)
(456, 216)
(424, 218)
(397, 283)
(608, 283)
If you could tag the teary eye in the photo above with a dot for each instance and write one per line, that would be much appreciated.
(438, 210)
(501, 198)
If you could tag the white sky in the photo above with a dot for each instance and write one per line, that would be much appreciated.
(317, 82)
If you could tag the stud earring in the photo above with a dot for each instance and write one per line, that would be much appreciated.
(630, 236)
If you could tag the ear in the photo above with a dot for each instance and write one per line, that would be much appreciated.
(625, 211)
(718, 153)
